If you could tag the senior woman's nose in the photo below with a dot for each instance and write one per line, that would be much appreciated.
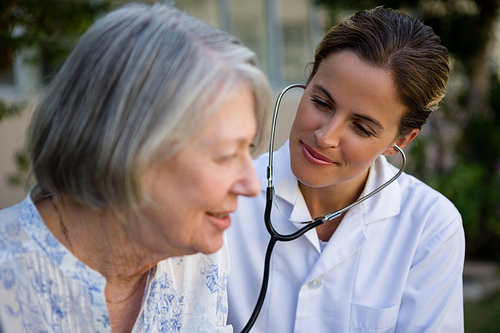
(248, 183)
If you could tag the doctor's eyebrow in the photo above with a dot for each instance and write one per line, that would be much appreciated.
(324, 91)
(362, 116)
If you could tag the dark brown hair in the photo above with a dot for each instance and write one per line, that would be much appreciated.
(406, 47)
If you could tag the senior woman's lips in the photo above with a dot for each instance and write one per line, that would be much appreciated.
(314, 157)
(220, 220)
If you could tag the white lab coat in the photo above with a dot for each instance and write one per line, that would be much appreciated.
(394, 264)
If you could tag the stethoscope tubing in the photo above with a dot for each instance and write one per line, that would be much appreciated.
(273, 130)
(275, 236)
(309, 225)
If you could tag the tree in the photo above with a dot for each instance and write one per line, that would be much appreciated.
(49, 27)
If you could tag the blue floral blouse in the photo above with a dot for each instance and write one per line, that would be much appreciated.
(44, 288)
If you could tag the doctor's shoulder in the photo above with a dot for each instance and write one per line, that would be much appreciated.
(428, 206)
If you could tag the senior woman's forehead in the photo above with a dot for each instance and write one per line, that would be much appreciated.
(233, 122)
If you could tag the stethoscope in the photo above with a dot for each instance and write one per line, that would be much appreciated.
(275, 236)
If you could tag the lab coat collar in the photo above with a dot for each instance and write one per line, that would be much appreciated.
(386, 203)
(345, 241)
(286, 186)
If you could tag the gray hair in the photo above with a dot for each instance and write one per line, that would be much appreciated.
(141, 79)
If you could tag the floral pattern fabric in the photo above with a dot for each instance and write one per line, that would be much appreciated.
(44, 288)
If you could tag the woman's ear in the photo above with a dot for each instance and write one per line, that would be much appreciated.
(402, 142)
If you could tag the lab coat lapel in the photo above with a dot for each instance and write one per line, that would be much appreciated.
(301, 213)
(346, 240)
(386, 203)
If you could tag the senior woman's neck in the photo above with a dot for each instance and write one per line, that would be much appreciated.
(119, 250)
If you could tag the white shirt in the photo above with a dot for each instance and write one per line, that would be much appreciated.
(44, 288)
(394, 264)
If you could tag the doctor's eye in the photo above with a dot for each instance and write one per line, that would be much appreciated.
(363, 131)
(320, 104)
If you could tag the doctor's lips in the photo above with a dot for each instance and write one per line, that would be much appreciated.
(314, 157)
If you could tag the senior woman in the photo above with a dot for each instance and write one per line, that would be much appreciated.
(140, 149)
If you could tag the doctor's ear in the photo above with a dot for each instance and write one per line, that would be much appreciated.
(402, 142)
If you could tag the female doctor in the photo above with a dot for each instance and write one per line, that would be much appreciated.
(391, 264)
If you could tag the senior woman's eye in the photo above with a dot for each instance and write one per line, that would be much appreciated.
(241, 151)
(225, 157)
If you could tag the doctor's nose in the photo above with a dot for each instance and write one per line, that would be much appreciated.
(329, 134)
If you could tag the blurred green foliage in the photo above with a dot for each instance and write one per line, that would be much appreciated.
(49, 26)
(22, 176)
(473, 183)
(483, 316)
(10, 110)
